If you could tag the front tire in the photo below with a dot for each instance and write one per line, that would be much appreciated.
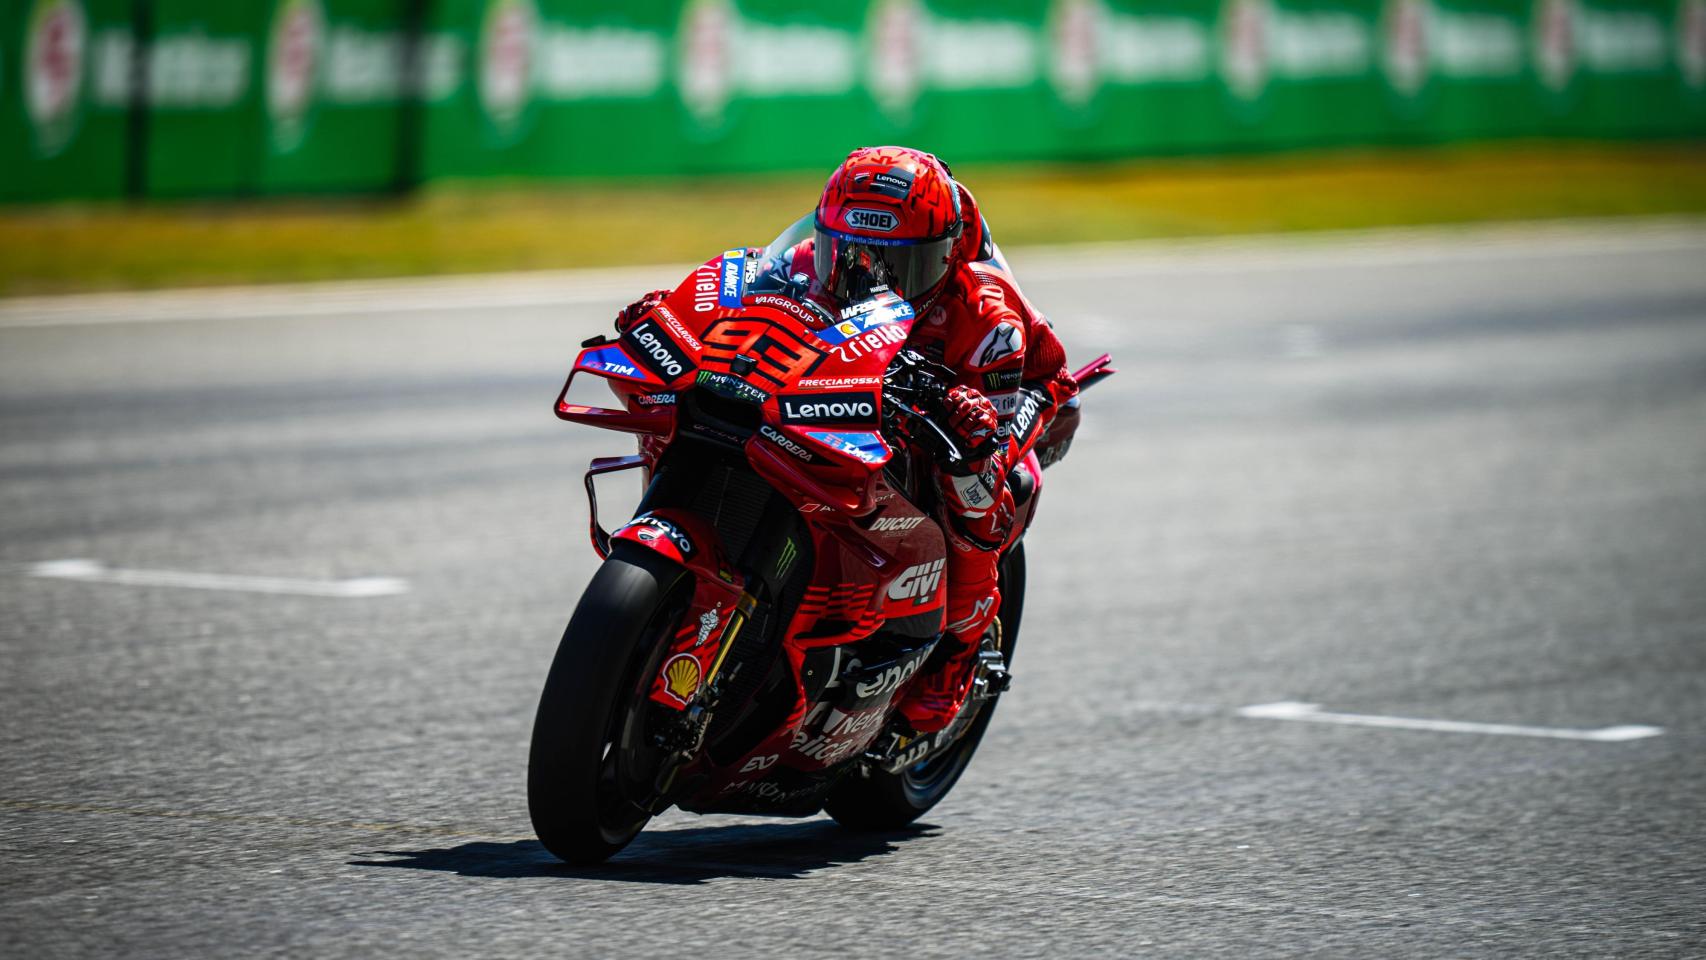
(888, 801)
(592, 768)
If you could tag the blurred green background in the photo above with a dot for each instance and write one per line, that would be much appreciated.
(149, 142)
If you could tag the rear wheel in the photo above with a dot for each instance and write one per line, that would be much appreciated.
(885, 801)
(592, 768)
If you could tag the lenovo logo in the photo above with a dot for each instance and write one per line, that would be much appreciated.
(830, 408)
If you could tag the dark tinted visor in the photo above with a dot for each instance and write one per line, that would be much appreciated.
(850, 267)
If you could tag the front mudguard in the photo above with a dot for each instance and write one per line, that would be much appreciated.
(719, 604)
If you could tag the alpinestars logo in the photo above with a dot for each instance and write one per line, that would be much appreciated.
(917, 583)
(830, 408)
(999, 344)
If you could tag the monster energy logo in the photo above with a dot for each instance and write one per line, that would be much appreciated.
(786, 560)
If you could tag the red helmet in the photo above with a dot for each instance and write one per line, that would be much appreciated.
(888, 216)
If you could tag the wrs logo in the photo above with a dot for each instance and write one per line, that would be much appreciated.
(293, 58)
(55, 55)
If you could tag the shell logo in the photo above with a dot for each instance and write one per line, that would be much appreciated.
(1405, 53)
(1691, 42)
(1073, 50)
(681, 676)
(292, 56)
(506, 62)
(1244, 29)
(894, 60)
(706, 63)
(55, 48)
(1555, 42)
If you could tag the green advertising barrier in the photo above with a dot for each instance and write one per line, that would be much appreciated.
(296, 96)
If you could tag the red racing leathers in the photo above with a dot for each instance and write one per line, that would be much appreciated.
(1002, 348)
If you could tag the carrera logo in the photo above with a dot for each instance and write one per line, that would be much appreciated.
(876, 221)
(655, 399)
(895, 523)
(658, 351)
(775, 436)
(830, 408)
(917, 583)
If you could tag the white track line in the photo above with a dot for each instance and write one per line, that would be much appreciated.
(1312, 713)
(1329, 250)
(94, 571)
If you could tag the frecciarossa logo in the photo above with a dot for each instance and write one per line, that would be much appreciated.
(830, 408)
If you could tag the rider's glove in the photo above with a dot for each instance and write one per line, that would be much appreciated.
(972, 487)
(971, 421)
(632, 313)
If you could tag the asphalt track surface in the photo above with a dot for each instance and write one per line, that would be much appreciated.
(1443, 477)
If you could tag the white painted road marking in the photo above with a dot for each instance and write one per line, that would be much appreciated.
(1312, 713)
(94, 571)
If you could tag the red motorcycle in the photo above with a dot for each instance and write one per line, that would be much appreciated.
(743, 644)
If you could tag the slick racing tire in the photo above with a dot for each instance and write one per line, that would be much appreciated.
(592, 768)
(888, 801)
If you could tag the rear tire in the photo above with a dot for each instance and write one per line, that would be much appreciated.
(591, 767)
(888, 801)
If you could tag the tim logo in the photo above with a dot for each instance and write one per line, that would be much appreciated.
(918, 583)
(876, 221)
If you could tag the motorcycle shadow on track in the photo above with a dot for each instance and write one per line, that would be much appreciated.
(691, 855)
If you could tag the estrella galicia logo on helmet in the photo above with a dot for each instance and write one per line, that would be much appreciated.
(830, 408)
(876, 221)
(658, 351)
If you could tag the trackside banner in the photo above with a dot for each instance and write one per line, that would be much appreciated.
(163, 98)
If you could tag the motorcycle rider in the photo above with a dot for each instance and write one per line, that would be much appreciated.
(895, 217)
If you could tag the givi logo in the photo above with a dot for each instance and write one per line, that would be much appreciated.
(917, 583)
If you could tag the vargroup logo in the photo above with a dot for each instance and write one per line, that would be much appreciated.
(1404, 28)
(894, 61)
(506, 62)
(1244, 61)
(1555, 24)
(293, 58)
(54, 55)
(1691, 42)
(706, 58)
(1074, 64)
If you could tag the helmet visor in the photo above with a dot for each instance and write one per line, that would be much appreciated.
(850, 267)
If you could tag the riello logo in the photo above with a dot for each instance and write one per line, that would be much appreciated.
(55, 53)
(506, 62)
(293, 58)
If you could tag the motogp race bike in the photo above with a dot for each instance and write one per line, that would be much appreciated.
(752, 627)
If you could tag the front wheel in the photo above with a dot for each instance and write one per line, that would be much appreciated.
(592, 769)
(886, 801)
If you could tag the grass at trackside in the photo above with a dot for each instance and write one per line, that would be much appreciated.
(469, 227)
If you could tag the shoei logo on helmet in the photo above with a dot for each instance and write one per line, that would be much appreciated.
(864, 218)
